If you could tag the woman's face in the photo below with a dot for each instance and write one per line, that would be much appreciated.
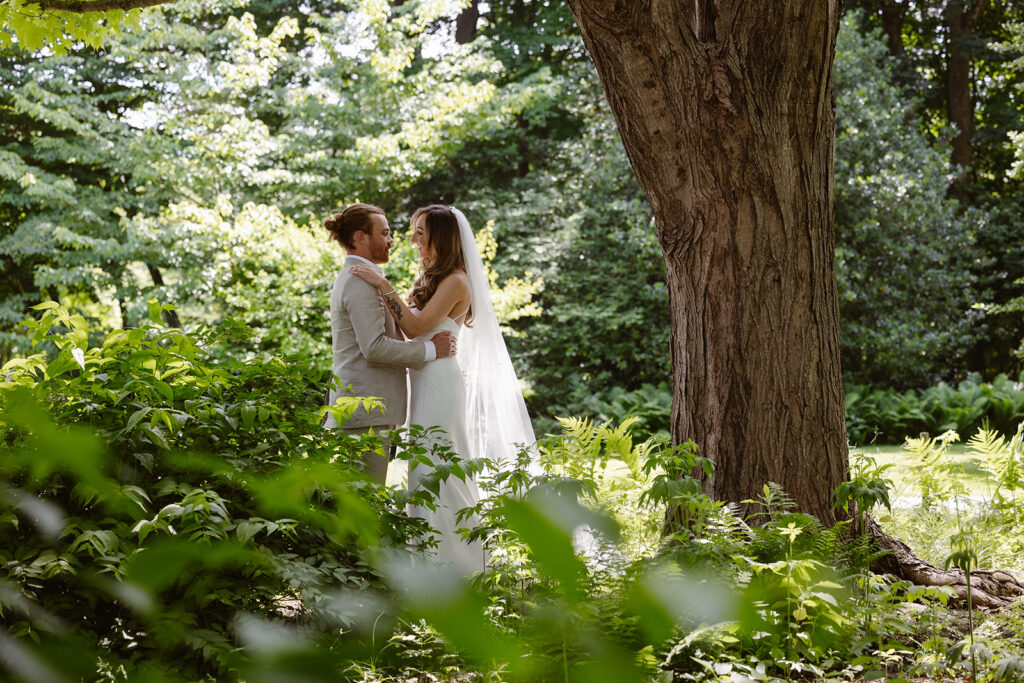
(421, 239)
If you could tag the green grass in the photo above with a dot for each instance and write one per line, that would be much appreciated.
(902, 472)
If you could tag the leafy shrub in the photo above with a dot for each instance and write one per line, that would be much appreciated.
(176, 517)
(167, 516)
(967, 524)
(157, 507)
(649, 406)
(887, 415)
(873, 414)
(904, 248)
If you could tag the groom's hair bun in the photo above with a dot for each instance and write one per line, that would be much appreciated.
(343, 226)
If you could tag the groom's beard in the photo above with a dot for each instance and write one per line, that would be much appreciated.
(380, 254)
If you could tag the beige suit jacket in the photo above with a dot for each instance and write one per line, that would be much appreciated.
(370, 354)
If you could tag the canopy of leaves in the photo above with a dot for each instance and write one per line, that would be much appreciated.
(193, 156)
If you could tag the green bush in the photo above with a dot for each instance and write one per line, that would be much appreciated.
(167, 516)
(904, 248)
(650, 407)
(873, 414)
(158, 509)
(888, 416)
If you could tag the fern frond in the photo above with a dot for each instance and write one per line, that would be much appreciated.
(581, 437)
(577, 428)
(776, 500)
(618, 441)
(986, 442)
(637, 458)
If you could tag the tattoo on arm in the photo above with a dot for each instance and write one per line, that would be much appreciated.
(395, 308)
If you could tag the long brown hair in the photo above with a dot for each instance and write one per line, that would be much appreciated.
(442, 230)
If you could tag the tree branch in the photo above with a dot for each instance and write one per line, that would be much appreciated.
(87, 6)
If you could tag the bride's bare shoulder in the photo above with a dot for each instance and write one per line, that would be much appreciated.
(457, 279)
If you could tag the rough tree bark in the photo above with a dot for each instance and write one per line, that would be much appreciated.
(725, 110)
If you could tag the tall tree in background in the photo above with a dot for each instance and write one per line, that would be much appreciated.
(962, 20)
(953, 37)
(904, 249)
(725, 111)
(959, 63)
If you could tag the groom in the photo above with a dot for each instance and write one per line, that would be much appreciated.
(369, 351)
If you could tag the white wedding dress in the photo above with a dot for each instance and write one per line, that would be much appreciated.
(437, 398)
(476, 399)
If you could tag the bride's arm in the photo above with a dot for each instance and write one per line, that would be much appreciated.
(452, 290)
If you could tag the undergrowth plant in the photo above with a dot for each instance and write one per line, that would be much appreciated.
(965, 559)
(939, 479)
(1002, 460)
(160, 510)
(886, 416)
(956, 526)
(866, 488)
(169, 515)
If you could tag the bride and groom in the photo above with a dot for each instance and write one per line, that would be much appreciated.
(474, 396)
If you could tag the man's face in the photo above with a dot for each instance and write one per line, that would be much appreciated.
(380, 240)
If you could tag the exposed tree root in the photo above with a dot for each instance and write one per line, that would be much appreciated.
(991, 589)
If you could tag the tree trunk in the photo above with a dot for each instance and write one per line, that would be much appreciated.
(892, 24)
(961, 21)
(725, 110)
(170, 317)
(465, 23)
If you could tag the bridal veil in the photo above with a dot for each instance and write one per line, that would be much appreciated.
(498, 423)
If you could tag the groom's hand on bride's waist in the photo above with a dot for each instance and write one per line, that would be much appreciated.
(444, 342)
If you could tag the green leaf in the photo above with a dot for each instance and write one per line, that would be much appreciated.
(448, 602)
(165, 389)
(61, 364)
(136, 417)
(246, 529)
(45, 306)
(163, 416)
(155, 437)
(550, 545)
(162, 564)
(155, 311)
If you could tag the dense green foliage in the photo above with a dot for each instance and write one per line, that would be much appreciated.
(1006, 302)
(904, 249)
(182, 480)
(887, 415)
(873, 414)
(170, 509)
(192, 159)
(919, 42)
(171, 516)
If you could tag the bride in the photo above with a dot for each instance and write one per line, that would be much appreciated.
(475, 396)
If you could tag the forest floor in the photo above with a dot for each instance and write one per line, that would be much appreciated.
(962, 502)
